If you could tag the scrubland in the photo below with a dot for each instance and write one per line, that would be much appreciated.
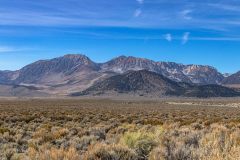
(119, 130)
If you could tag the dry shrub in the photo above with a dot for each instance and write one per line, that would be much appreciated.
(45, 153)
(44, 135)
(69, 129)
(109, 152)
(220, 143)
(216, 143)
(59, 133)
(171, 150)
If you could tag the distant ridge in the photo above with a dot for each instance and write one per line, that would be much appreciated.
(76, 72)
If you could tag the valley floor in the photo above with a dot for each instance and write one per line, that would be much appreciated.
(120, 129)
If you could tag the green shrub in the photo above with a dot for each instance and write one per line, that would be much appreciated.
(141, 142)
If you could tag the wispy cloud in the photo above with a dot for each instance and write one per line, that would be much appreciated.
(140, 1)
(226, 7)
(162, 14)
(137, 12)
(168, 37)
(8, 49)
(185, 37)
(185, 14)
(215, 38)
(4, 49)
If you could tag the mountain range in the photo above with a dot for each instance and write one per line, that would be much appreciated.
(76, 73)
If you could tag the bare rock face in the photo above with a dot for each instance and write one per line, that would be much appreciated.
(200, 74)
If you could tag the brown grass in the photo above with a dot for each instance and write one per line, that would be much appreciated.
(107, 129)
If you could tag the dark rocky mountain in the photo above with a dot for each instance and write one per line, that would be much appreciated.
(212, 90)
(232, 79)
(142, 81)
(147, 83)
(178, 72)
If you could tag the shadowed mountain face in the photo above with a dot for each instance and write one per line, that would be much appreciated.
(136, 81)
(146, 83)
(74, 72)
(212, 90)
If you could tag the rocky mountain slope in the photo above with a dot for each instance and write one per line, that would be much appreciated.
(76, 72)
(7, 77)
(60, 76)
(147, 83)
(178, 72)
(45, 71)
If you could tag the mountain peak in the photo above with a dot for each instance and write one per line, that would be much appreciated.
(75, 56)
(123, 57)
(66, 65)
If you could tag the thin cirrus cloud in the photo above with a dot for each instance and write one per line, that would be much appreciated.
(161, 14)
(185, 37)
(185, 14)
(168, 37)
(137, 12)
(227, 7)
(157, 14)
(4, 49)
(13, 49)
(140, 1)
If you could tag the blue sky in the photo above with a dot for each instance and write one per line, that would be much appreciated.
(185, 31)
